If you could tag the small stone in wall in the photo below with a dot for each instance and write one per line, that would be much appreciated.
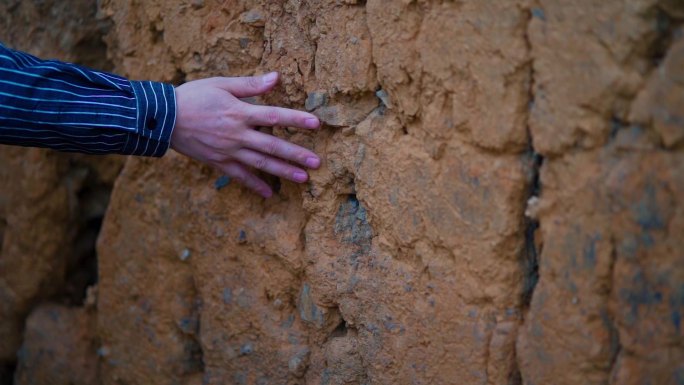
(184, 255)
(246, 349)
(221, 182)
(253, 18)
(384, 98)
(315, 99)
(299, 362)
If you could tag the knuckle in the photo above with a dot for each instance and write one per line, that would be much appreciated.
(272, 147)
(261, 163)
(233, 114)
(237, 140)
(272, 116)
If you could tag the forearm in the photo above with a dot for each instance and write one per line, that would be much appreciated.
(71, 108)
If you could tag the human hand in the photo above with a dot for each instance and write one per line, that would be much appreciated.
(215, 127)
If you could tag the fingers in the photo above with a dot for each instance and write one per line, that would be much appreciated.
(271, 165)
(277, 116)
(244, 87)
(246, 178)
(276, 147)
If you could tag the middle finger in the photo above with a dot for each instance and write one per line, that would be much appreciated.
(271, 145)
(277, 116)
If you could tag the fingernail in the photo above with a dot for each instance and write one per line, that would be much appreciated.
(300, 176)
(312, 162)
(311, 122)
(270, 78)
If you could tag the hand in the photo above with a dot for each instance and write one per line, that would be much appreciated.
(215, 127)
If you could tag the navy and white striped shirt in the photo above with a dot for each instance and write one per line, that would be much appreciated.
(66, 107)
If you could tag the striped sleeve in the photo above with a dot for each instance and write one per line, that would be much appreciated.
(47, 103)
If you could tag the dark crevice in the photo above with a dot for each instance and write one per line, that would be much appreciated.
(156, 36)
(7, 373)
(179, 77)
(533, 162)
(92, 52)
(273, 182)
(81, 265)
(665, 27)
(617, 124)
(276, 185)
(341, 330)
(82, 270)
(530, 257)
(608, 317)
(3, 227)
(515, 378)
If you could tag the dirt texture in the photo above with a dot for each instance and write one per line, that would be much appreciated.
(499, 201)
(64, 30)
(51, 204)
(60, 347)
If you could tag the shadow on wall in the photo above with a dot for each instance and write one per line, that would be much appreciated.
(51, 204)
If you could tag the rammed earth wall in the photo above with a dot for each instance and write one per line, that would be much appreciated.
(500, 200)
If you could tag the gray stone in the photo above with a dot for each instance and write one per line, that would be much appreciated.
(384, 98)
(315, 100)
(299, 362)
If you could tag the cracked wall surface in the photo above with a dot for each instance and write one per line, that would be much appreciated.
(608, 119)
(499, 201)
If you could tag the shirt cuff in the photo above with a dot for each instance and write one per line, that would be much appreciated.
(155, 119)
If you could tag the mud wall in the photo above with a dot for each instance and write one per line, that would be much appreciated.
(499, 202)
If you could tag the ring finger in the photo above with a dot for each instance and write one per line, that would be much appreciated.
(271, 165)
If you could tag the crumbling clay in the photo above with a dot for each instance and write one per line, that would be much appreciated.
(408, 258)
(499, 200)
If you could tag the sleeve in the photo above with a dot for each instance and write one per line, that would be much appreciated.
(47, 103)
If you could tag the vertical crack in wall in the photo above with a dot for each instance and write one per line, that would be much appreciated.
(666, 26)
(608, 317)
(532, 163)
(530, 257)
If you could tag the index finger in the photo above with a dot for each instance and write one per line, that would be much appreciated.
(278, 116)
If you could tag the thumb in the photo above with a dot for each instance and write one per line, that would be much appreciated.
(244, 87)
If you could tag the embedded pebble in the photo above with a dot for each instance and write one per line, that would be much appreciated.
(315, 100)
(221, 182)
